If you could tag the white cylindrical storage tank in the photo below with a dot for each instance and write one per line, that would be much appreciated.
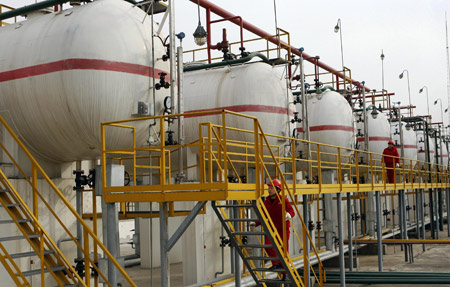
(444, 154)
(330, 122)
(256, 89)
(62, 74)
(409, 140)
(379, 133)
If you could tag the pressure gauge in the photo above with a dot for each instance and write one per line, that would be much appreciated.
(168, 103)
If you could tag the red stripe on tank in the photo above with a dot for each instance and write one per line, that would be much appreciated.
(80, 64)
(328, 128)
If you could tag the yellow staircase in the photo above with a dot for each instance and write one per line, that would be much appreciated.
(40, 244)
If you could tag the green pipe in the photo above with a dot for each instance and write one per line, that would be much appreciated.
(315, 90)
(225, 63)
(30, 8)
(38, 6)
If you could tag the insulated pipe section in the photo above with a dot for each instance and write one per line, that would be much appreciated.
(226, 63)
(273, 39)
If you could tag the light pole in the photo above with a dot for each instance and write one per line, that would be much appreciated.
(338, 28)
(382, 74)
(442, 113)
(428, 104)
(409, 89)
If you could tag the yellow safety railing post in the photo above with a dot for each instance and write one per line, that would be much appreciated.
(41, 257)
(87, 270)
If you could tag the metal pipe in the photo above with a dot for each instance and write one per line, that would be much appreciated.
(164, 238)
(436, 205)
(180, 174)
(112, 234)
(447, 197)
(223, 257)
(341, 241)
(405, 225)
(306, 219)
(226, 63)
(422, 209)
(273, 39)
(237, 258)
(417, 214)
(172, 50)
(349, 226)
(379, 236)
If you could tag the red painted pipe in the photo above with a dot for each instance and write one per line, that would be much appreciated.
(252, 28)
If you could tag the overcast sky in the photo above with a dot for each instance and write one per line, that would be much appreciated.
(411, 33)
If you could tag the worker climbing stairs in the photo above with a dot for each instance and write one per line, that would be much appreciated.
(233, 217)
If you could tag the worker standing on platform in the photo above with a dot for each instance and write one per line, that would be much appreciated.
(274, 207)
(390, 158)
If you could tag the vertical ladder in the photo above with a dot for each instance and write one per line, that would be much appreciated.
(274, 275)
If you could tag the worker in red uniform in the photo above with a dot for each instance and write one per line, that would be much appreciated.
(274, 207)
(389, 161)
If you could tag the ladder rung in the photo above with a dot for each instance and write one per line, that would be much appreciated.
(235, 205)
(11, 238)
(30, 254)
(38, 271)
(255, 246)
(12, 221)
(249, 233)
(269, 270)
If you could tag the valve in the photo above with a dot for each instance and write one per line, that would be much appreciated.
(244, 240)
(167, 55)
(408, 208)
(359, 134)
(243, 53)
(82, 180)
(319, 225)
(297, 100)
(233, 179)
(170, 140)
(94, 272)
(386, 212)
(396, 131)
(79, 267)
(162, 81)
(363, 217)
(296, 119)
(360, 119)
(224, 241)
(311, 225)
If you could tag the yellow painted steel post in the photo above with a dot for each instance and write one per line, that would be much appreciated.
(162, 167)
(305, 254)
(87, 270)
(134, 156)
(294, 168)
(319, 177)
(103, 140)
(225, 163)
(259, 189)
(210, 153)
(35, 188)
(202, 155)
(94, 223)
(41, 257)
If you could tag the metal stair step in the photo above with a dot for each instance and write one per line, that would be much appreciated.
(242, 220)
(11, 238)
(255, 246)
(12, 221)
(261, 269)
(29, 254)
(11, 205)
(38, 271)
(262, 258)
(235, 205)
(4, 190)
(248, 233)
(275, 281)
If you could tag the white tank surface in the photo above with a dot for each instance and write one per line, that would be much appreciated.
(331, 122)
(444, 154)
(62, 74)
(409, 140)
(256, 89)
(379, 131)
(421, 151)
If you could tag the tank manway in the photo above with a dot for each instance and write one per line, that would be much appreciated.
(413, 278)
